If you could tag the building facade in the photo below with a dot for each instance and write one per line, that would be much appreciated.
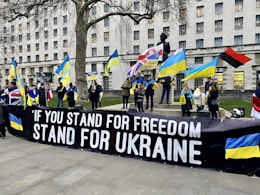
(204, 28)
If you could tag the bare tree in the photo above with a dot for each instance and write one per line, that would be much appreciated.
(84, 20)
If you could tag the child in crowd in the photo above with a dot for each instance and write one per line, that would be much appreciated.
(140, 97)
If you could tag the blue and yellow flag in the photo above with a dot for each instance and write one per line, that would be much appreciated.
(243, 147)
(92, 75)
(204, 71)
(113, 60)
(12, 74)
(15, 122)
(63, 71)
(173, 65)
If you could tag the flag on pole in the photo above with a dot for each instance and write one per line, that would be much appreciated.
(173, 65)
(113, 60)
(206, 70)
(92, 75)
(235, 59)
(63, 71)
(12, 74)
(152, 50)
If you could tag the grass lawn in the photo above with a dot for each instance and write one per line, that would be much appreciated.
(228, 105)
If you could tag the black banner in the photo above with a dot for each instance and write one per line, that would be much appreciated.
(174, 140)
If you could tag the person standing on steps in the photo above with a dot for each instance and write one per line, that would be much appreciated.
(125, 93)
(149, 91)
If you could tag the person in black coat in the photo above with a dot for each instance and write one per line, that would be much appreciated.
(42, 95)
(94, 92)
(213, 101)
(61, 90)
(149, 91)
(71, 96)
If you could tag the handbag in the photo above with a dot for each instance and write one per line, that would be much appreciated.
(214, 102)
(182, 100)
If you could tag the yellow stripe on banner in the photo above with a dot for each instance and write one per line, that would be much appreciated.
(149, 65)
(16, 126)
(243, 153)
(172, 70)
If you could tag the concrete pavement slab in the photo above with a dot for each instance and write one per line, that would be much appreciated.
(29, 168)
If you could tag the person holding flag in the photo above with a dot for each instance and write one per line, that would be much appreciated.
(42, 95)
(71, 95)
(61, 90)
(33, 96)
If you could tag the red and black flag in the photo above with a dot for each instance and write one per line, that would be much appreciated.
(233, 58)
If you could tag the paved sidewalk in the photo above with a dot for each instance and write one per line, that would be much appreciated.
(29, 168)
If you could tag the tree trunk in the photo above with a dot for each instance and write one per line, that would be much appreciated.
(80, 62)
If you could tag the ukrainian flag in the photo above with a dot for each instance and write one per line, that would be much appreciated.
(113, 60)
(13, 70)
(206, 70)
(92, 75)
(173, 65)
(243, 147)
(63, 71)
(15, 122)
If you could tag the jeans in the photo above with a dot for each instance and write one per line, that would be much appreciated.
(167, 91)
(60, 101)
(125, 101)
(147, 101)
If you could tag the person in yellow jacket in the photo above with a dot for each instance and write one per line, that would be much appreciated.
(33, 96)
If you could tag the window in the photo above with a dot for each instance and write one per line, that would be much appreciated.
(182, 44)
(150, 45)
(20, 59)
(136, 49)
(28, 36)
(136, 6)
(179, 77)
(37, 58)
(46, 46)
(218, 25)
(65, 19)
(28, 48)
(238, 23)
(55, 32)
(5, 50)
(198, 82)
(28, 25)
(150, 33)
(94, 37)
(94, 52)
(106, 36)
(239, 80)
(45, 11)
(218, 41)
(12, 49)
(28, 58)
(257, 3)
(94, 26)
(182, 29)
(46, 57)
(106, 51)
(65, 54)
(55, 56)
(198, 60)
(37, 35)
(106, 82)
(55, 44)
(65, 7)
(257, 59)
(94, 10)
(55, 21)
(136, 35)
(65, 31)
(12, 28)
(257, 23)
(238, 40)
(93, 67)
(257, 38)
(218, 8)
(23, 71)
(199, 27)
(45, 22)
(200, 11)
(106, 7)
(219, 75)
(20, 27)
(166, 30)
(36, 23)
(151, 21)
(166, 16)
(20, 48)
(238, 5)
(5, 39)
(37, 46)
(5, 29)
(40, 69)
(46, 34)
(5, 62)
(106, 22)
(65, 43)
(136, 18)
(199, 43)
(12, 38)
(182, 13)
